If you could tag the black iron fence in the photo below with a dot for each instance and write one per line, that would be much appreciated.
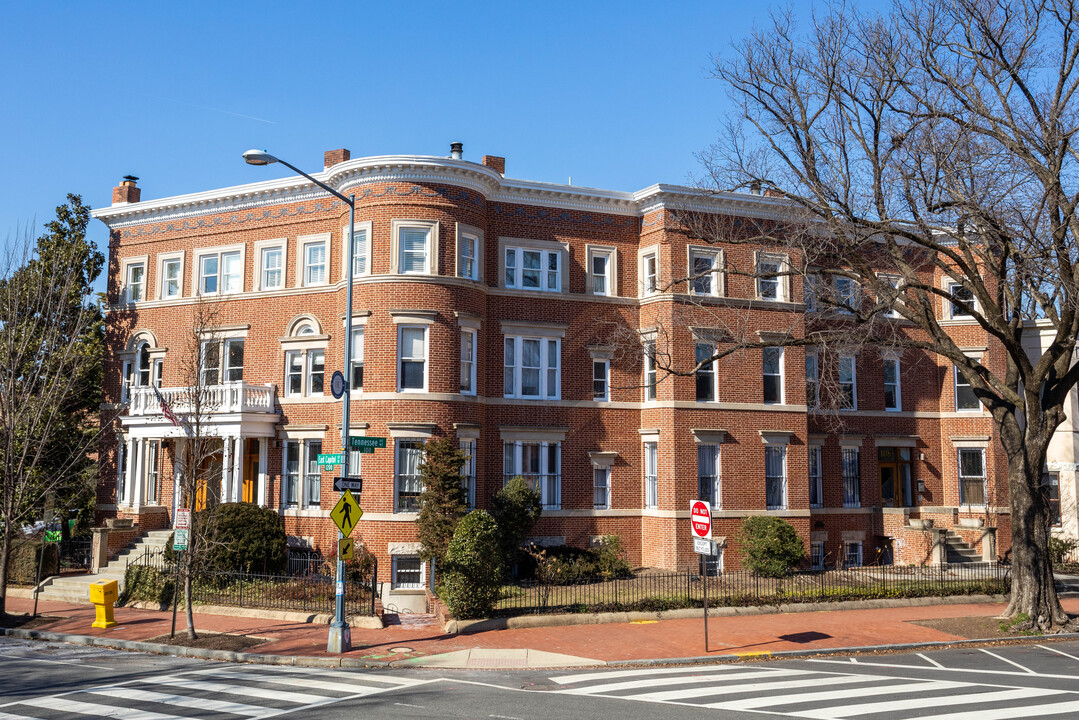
(307, 562)
(654, 591)
(74, 553)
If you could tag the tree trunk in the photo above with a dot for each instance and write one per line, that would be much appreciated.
(5, 552)
(187, 603)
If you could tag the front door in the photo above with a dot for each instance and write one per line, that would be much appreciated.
(894, 464)
(250, 469)
(888, 485)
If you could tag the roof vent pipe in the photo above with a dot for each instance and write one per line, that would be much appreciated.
(755, 187)
(456, 150)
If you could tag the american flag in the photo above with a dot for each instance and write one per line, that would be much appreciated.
(165, 409)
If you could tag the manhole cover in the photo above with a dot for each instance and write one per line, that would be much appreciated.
(401, 650)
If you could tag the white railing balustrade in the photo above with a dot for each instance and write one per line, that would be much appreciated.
(235, 397)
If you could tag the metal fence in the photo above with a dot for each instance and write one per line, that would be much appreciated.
(653, 591)
(306, 562)
(74, 554)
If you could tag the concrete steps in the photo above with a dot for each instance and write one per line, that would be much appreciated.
(76, 588)
(957, 552)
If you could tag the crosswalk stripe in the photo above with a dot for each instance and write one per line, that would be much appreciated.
(1071, 707)
(189, 701)
(614, 674)
(373, 677)
(870, 709)
(752, 687)
(230, 689)
(302, 681)
(67, 705)
(9, 716)
(761, 702)
(689, 680)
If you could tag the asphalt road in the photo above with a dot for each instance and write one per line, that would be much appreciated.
(50, 681)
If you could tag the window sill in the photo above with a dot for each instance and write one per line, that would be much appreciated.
(408, 590)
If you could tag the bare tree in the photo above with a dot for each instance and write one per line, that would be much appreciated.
(50, 371)
(928, 156)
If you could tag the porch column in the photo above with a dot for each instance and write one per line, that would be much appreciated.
(264, 449)
(226, 467)
(140, 474)
(129, 472)
(237, 469)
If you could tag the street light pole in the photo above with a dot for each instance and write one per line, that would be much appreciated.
(340, 637)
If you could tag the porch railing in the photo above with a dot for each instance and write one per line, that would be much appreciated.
(228, 398)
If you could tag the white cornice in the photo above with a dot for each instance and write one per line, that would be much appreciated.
(352, 175)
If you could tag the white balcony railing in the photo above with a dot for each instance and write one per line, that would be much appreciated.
(232, 397)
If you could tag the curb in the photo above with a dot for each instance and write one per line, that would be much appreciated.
(202, 653)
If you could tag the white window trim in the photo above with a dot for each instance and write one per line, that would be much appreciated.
(426, 357)
(786, 475)
(606, 470)
(895, 281)
(606, 382)
(854, 381)
(898, 384)
(642, 279)
(305, 371)
(126, 381)
(611, 254)
(407, 586)
(366, 226)
(544, 368)
(955, 393)
(431, 227)
(301, 439)
(301, 258)
(544, 440)
(783, 279)
(810, 402)
(162, 258)
(647, 440)
(716, 254)
(196, 267)
(262, 245)
(463, 230)
(475, 358)
(818, 450)
(949, 309)
(648, 361)
(520, 244)
(855, 295)
(361, 329)
(125, 266)
(397, 474)
(782, 376)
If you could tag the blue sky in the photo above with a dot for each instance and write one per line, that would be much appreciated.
(614, 95)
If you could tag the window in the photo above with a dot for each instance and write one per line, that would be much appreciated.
(852, 555)
(600, 373)
(408, 486)
(153, 453)
(303, 488)
(234, 359)
(706, 373)
(601, 488)
(894, 282)
(468, 472)
(221, 272)
(407, 572)
(965, 399)
(649, 361)
(1051, 488)
(468, 246)
(599, 271)
(305, 372)
(313, 475)
(314, 263)
(360, 260)
(142, 366)
(773, 376)
(121, 471)
(159, 366)
(412, 244)
(704, 265)
(812, 292)
(170, 273)
(294, 372)
(892, 398)
(961, 294)
(136, 281)
(356, 371)
(125, 382)
(816, 485)
(534, 269)
(816, 555)
(848, 384)
(846, 294)
(775, 477)
(531, 367)
(316, 369)
(812, 380)
(273, 272)
(971, 476)
(852, 478)
(708, 474)
(211, 362)
(769, 281)
(355, 462)
(540, 464)
(651, 475)
(650, 273)
(468, 362)
(412, 358)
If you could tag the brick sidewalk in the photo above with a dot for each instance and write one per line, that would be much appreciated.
(624, 641)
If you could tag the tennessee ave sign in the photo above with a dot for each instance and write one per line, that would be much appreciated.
(700, 519)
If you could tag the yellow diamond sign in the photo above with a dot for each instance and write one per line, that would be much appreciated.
(346, 513)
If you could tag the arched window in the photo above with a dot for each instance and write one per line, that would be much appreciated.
(305, 329)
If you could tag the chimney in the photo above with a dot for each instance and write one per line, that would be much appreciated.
(457, 150)
(496, 163)
(772, 192)
(126, 191)
(332, 157)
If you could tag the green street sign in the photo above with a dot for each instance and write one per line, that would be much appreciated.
(363, 442)
(52, 536)
(329, 459)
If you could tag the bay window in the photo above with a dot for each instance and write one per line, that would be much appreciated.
(412, 357)
(540, 464)
(407, 483)
(531, 367)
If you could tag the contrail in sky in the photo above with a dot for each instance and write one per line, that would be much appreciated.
(213, 109)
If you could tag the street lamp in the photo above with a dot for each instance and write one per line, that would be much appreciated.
(340, 639)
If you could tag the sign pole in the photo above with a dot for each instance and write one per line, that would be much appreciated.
(700, 523)
(704, 579)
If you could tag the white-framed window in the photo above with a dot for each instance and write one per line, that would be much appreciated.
(852, 552)
(355, 463)
(221, 272)
(961, 295)
(601, 374)
(846, 294)
(468, 361)
(469, 245)
(708, 467)
(468, 471)
(172, 271)
(125, 382)
(408, 572)
(812, 292)
(356, 371)
(704, 271)
(312, 480)
(143, 366)
(305, 372)
(893, 399)
(816, 479)
(775, 477)
(601, 488)
(540, 464)
(648, 360)
(234, 359)
(531, 367)
(771, 284)
(706, 372)
(812, 380)
(316, 372)
(599, 271)
(121, 471)
(361, 248)
(408, 456)
(772, 370)
(852, 477)
(848, 383)
(211, 362)
(816, 555)
(651, 475)
(650, 273)
(531, 269)
(294, 360)
(412, 358)
(272, 266)
(894, 281)
(302, 483)
(972, 476)
(159, 366)
(965, 399)
(315, 262)
(412, 243)
(153, 458)
(136, 282)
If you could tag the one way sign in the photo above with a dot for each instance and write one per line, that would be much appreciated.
(340, 484)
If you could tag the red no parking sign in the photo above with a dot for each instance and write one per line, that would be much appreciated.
(700, 519)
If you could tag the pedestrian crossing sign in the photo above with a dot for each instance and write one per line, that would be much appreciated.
(346, 513)
(345, 548)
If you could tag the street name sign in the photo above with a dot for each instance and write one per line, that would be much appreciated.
(700, 519)
(363, 442)
(348, 483)
(346, 513)
(329, 459)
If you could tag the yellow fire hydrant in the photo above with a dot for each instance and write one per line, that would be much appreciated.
(103, 596)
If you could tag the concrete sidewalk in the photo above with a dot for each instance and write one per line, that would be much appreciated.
(418, 641)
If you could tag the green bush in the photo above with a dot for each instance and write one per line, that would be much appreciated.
(1060, 548)
(516, 508)
(244, 538)
(567, 564)
(147, 584)
(23, 561)
(771, 546)
(472, 578)
(357, 570)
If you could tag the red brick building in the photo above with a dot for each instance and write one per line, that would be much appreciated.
(500, 313)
